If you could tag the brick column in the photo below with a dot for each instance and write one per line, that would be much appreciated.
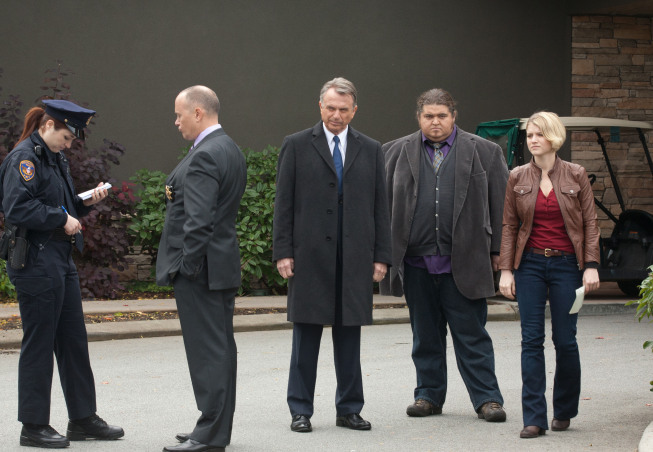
(612, 73)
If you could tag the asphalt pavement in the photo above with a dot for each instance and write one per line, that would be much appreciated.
(143, 357)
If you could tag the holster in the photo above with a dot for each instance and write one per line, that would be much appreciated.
(7, 236)
(17, 246)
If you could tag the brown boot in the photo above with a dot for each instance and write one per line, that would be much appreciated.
(492, 412)
(532, 431)
(422, 408)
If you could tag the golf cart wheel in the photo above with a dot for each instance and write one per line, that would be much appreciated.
(630, 287)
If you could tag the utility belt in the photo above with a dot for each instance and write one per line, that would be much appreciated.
(60, 235)
(14, 246)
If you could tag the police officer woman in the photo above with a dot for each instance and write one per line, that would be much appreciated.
(40, 204)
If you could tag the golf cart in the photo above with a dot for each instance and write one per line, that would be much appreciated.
(628, 252)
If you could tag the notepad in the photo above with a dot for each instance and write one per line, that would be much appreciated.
(87, 194)
(578, 302)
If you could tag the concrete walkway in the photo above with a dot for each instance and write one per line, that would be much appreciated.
(387, 309)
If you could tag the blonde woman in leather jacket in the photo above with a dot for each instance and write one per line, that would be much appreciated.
(549, 248)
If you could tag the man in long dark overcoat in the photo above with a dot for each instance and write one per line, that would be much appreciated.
(331, 239)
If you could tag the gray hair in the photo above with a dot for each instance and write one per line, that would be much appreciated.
(436, 96)
(203, 97)
(342, 86)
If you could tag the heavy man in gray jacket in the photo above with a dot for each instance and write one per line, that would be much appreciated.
(446, 189)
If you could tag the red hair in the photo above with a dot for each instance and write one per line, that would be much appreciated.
(35, 119)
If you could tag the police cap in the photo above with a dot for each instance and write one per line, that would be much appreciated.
(76, 118)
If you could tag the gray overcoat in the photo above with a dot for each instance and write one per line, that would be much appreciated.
(480, 187)
(306, 225)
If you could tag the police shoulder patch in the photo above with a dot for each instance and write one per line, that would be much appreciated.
(27, 170)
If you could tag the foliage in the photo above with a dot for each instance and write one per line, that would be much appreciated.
(254, 223)
(645, 305)
(10, 123)
(105, 228)
(149, 211)
(6, 287)
(148, 289)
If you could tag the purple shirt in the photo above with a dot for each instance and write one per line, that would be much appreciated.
(204, 133)
(434, 264)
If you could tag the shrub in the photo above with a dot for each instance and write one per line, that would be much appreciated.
(149, 212)
(10, 128)
(254, 223)
(105, 228)
(645, 305)
(7, 289)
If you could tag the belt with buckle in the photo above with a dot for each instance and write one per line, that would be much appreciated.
(548, 252)
(60, 234)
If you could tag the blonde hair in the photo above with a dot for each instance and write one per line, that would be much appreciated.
(551, 127)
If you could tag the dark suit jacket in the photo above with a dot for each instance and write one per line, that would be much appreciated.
(200, 219)
(480, 187)
(306, 225)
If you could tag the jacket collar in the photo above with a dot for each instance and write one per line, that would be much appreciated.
(44, 151)
(320, 144)
(552, 171)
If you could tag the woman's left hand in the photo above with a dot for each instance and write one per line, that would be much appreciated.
(98, 195)
(591, 279)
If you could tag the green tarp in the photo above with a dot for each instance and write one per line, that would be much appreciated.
(496, 130)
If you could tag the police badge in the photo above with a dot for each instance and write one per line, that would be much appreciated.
(170, 192)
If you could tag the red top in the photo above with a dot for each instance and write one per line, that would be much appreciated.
(548, 225)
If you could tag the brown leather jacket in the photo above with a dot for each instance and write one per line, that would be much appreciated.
(576, 200)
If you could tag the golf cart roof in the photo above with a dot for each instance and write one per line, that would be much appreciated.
(576, 123)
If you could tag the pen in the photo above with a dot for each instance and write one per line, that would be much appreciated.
(64, 209)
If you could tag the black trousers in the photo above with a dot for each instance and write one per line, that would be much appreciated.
(303, 368)
(53, 321)
(206, 318)
(306, 340)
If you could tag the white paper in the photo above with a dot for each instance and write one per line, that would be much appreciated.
(87, 194)
(578, 302)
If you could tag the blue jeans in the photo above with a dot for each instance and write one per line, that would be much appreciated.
(434, 301)
(557, 277)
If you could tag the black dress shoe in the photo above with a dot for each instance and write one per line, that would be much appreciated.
(42, 436)
(181, 437)
(301, 423)
(353, 421)
(190, 445)
(93, 427)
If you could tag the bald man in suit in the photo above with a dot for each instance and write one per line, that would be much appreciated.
(199, 255)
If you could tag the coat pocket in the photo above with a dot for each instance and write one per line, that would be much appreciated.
(36, 287)
(522, 190)
(570, 197)
(570, 190)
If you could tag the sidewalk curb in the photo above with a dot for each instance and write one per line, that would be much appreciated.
(497, 311)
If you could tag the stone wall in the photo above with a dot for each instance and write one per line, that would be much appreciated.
(612, 72)
(138, 267)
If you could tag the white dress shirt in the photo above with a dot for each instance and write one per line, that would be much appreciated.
(343, 141)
